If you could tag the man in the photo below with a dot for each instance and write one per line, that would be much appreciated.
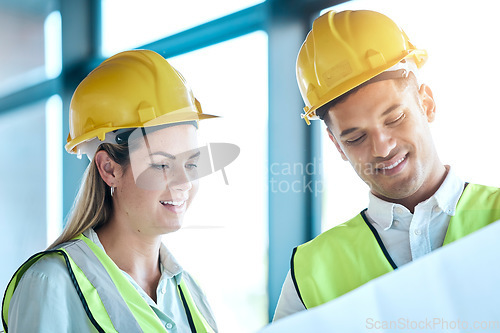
(359, 73)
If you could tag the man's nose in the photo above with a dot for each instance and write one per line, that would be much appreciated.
(382, 143)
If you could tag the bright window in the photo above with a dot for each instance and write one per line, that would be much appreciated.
(30, 40)
(53, 167)
(461, 71)
(129, 24)
(30, 182)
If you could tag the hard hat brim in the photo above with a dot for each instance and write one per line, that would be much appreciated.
(419, 56)
(169, 118)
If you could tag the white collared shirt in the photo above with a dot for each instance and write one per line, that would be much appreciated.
(46, 300)
(406, 236)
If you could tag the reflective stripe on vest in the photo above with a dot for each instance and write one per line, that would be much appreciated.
(351, 254)
(109, 299)
(196, 320)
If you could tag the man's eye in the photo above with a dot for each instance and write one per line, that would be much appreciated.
(191, 166)
(355, 141)
(396, 121)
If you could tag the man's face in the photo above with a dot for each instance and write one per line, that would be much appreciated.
(382, 130)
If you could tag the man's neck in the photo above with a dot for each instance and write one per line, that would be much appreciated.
(427, 190)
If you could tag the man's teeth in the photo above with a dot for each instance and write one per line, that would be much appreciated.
(394, 165)
(173, 203)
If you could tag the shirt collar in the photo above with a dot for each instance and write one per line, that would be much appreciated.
(449, 192)
(446, 197)
(381, 211)
(168, 264)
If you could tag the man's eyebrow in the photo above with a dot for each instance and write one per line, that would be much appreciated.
(348, 131)
(389, 110)
(386, 112)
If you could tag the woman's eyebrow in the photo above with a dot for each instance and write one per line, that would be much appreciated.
(195, 155)
(172, 157)
(167, 155)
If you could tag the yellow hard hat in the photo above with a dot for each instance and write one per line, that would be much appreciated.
(137, 88)
(346, 49)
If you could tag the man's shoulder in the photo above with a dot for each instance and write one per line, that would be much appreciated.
(480, 194)
(481, 187)
(341, 233)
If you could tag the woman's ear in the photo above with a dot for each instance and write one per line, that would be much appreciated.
(108, 168)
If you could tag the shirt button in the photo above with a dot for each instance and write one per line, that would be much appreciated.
(436, 209)
(417, 232)
(169, 326)
(398, 210)
(396, 222)
(163, 290)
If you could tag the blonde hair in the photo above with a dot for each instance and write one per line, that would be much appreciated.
(93, 205)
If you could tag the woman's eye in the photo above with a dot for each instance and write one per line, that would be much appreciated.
(160, 166)
(400, 118)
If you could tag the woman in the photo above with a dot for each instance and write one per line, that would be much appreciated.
(136, 120)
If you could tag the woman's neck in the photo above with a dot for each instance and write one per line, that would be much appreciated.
(133, 253)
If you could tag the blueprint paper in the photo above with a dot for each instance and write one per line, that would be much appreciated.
(453, 289)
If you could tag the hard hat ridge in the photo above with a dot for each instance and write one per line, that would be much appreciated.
(346, 49)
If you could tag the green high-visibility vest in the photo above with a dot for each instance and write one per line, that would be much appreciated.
(351, 254)
(109, 299)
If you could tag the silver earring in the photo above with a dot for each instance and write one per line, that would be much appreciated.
(112, 190)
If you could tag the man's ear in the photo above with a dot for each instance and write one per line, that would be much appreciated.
(108, 168)
(428, 103)
(330, 135)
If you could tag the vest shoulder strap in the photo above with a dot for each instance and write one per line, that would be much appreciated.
(478, 206)
(111, 302)
(16, 278)
(320, 266)
(111, 289)
(199, 304)
(197, 321)
(147, 319)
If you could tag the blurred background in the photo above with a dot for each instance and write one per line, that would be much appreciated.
(288, 184)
